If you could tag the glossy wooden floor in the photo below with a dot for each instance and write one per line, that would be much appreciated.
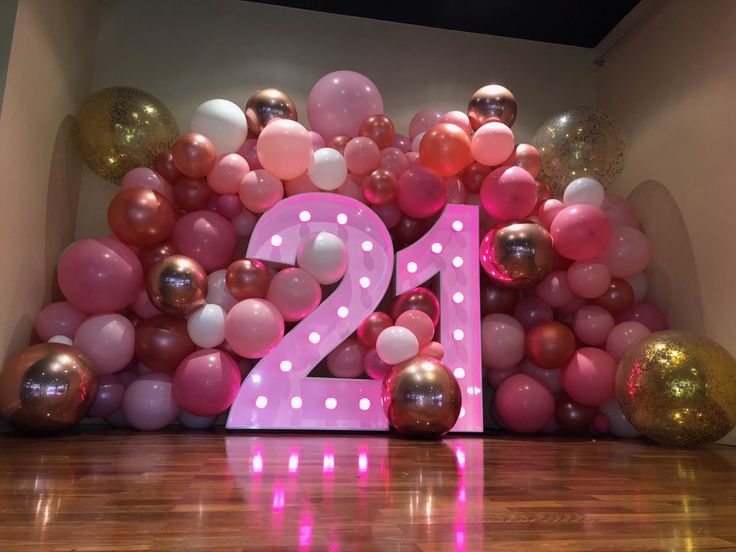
(105, 490)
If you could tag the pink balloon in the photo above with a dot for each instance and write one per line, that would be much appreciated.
(619, 211)
(109, 398)
(143, 177)
(551, 379)
(508, 193)
(418, 323)
(601, 423)
(497, 377)
(228, 205)
(253, 327)
(340, 101)
(317, 141)
(295, 293)
(647, 314)
(99, 275)
(422, 193)
(456, 192)
(433, 349)
(149, 403)
(530, 311)
(60, 318)
(362, 156)
(592, 324)
(457, 118)
(260, 190)
(228, 171)
(402, 142)
(206, 382)
(352, 188)
(502, 341)
(492, 144)
(143, 307)
(346, 360)
(590, 377)
(554, 289)
(423, 121)
(108, 340)
(284, 148)
(581, 232)
(300, 185)
(629, 252)
(523, 404)
(572, 307)
(588, 279)
(374, 366)
(390, 214)
(623, 336)
(248, 151)
(548, 210)
(394, 161)
(217, 291)
(206, 237)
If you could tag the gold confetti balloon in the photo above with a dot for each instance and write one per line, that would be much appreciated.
(678, 389)
(120, 128)
(579, 142)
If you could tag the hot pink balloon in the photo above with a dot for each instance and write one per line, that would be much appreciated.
(592, 324)
(248, 151)
(99, 275)
(206, 237)
(228, 171)
(548, 210)
(590, 377)
(108, 340)
(109, 398)
(260, 190)
(551, 379)
(554, 289)
(647, 314)
(508, 193)
(143, 177)
(402, 142)
(523, 404)
(497, 377)
(423, 121)
(394, 161)
(422, 193)
(228, 205)
(628, 253)
(149, 403)
(295, 293)
(374, 366)
(418, 323)
(502, 341)
(588, 279)
(206, 382)
(346, 360)
(623, 336)
(530, 311)
(619, 211)
(362, 156)
(284, 148)
(457, 118)
(581, 232)
(492, 144)
(253, 327)
(340, 101)
(60, 318)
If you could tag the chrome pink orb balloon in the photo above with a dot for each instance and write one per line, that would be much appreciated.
(517, 254)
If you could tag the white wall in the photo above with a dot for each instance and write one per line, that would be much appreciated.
(188, 51)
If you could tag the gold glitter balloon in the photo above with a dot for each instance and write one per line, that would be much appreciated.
(267, 104)
(678, 389)
(120, 128)
(583, 141)
(47, 388)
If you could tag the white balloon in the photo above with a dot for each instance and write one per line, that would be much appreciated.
(206, 326)
(324, 256)
(217, 292)
(328, 169)
(639, 284)
(223, 122)
(417, 140)
(584, 190)
(61, 339)
(190, 421)
(396, 344)
(620, 426)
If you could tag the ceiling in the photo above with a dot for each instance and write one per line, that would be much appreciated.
(573, 22)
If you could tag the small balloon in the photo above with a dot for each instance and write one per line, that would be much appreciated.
(60, 318)
(206, 237)
(492, 144)
(268, 104)
(573, 417)
(253, 328)
(523, 404)
(154, 254)
(149, 403)
(517, 254)
(550, 345)
(492, 103)
(191, 194)
(206, 382)
(419, 298)
(324, 256)
(374, 367)
(177, 285)
(421, 193)
(107, 340)
(380, 187)
(247, 279)
(327, 169)
(206, 326)
(418, 323)
(284, 148)
(162, 342)
(371, 327)
(396, 344)
(227, 173)
(260, 190)
(583, 190)
(346, 360)
(495, 298)
(502, 342)
(223, 122)
(589, 377)
(445, 148)
(618, 298)
(581, 232)
(193, 155)
(378, 128)
(295, 293)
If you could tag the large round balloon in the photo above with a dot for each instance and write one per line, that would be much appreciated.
(268, 104)
(517, 254)
(582, 141)
(340, 102)
(47, 388)
(678, 388)
(120, 128)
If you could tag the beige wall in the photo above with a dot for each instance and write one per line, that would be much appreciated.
(188, 51)
(671, 85)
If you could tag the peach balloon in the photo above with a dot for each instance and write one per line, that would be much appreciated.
(418, 323)
(492, 143)
(362, 155)
(623, 336)
(284, 148)
(588, 279)
(227, 172)
(260, 190)
(457, 118)
(445, 149)
(527, 157)
(253, 327)
(295, 293)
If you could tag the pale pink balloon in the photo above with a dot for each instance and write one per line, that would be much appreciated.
(581, 232)
(143, 177)
(284, 148)
(60, 318)
(317, 141)
(628, 253)
(206, 237)
(402, 142)
(228, 205)
(108, 340)
(295, 293)
(149, 403)
(424, 120)
(551, 379)
(592, 324)
(394, 161)
(590, 376)
(418, 323)
(554, 289)
(300, 185)
(588, 279)
(260, 190)
(249, 152)
(523, 404)
(390, 214)
(497, 377)
(548, 210)
(492, 144)
(647, 314)
(619, 211)
(374, 366)
(346, 360)
(217, 291)
(623, 336)
(109, 397)
(206, 382)
(253, 327)
(396, 344)
(530, 311)
(433, 349)
(508, 193)
(502, 341)
(457, 118)
(143, 306)
(226, 174)
(362, 155)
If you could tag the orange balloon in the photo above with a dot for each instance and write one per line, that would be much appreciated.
(445, 149)
(380, 129)
(140, 216)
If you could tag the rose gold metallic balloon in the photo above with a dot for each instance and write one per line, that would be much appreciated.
(474, 176)
(339, 142)
(421, 398)
(496, 299)
(193, 155)
(140, 216)
(527, 157)
(518, 254)
(177, 285)
(380, 129)
(191, 194)
(573, 417)
(371, 326)
(47, 388)
(164, 165)
(154, 254)
(268, 104)
(380, 187)
(162, 342)
(419, 298)
(492, 103)
(247, 279)
(619, 297)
